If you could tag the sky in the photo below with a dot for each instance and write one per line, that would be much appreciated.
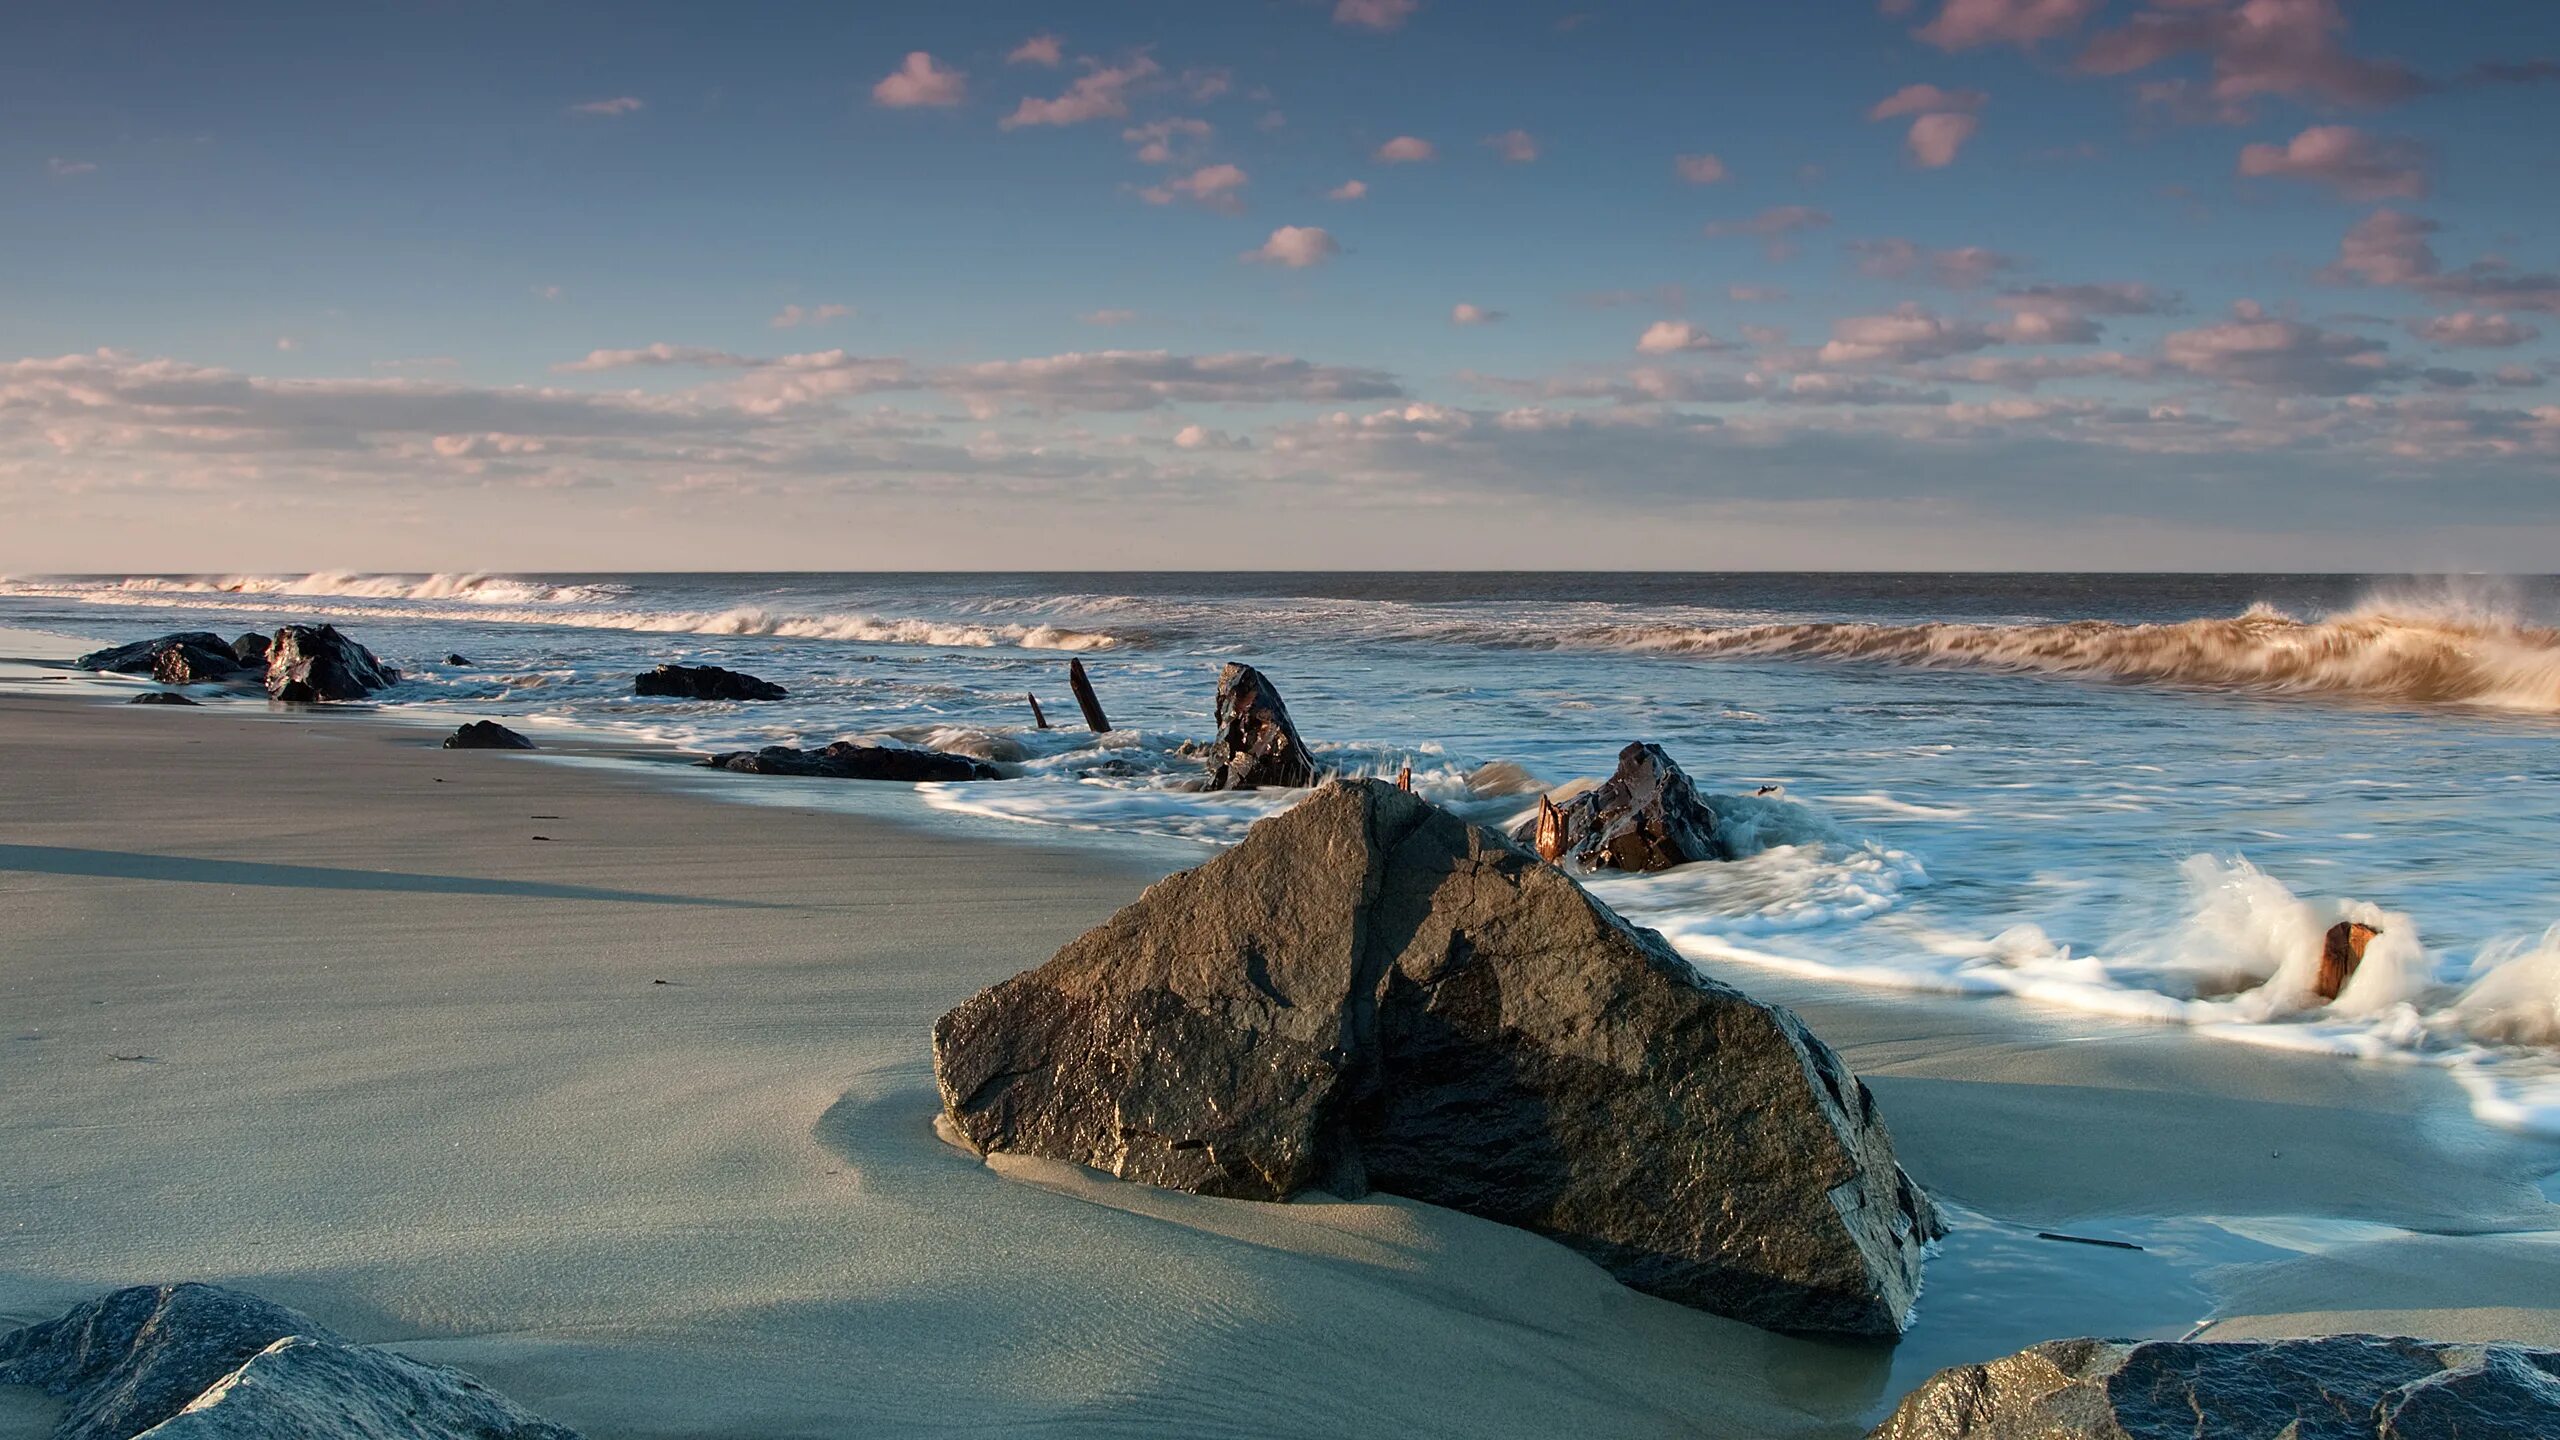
(1187, 284)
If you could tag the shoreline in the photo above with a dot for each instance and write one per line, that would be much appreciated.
(495, 999)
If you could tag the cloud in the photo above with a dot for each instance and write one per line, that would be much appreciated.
(1201, 437)
(287, 342)
(1922, 99)
(1107, 318)
(1380, 15)
(1823, 389)
(1774, 225)
(658, 355)
(62, 167)
(792, 317)
(918, 82)
(2286, 48)
(1406, 150)
(2103, 298)
(2356, 165)
(2265, 352)
(2390, 247)
(1101, 93)
(1349, 190)
(1466, 314)
(617, 106)
(1753, 294)
(1673, 297)
(1963, 268)
(1965, 24)
(1909, 333)
(1042, 49)
(1935, 139)
(1295, 247)
(1164, 142)
(1676, 337)
(1218, 187)
(1130, 380)
(2471, 329)
(1516, 147)
(1699, 169)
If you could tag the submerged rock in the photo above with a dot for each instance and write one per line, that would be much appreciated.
(159, 697)
(1645, 817)
(307, 663)
(1369, 992)
(302, 1387)
(705, 682)
(129, 1360)
(457, 660)
(844, 760)
(143, 656)
(250, 649)
(486, 735)
(2334, 1387)
(1258, 748)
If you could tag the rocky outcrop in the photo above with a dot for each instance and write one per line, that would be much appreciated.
(307, 663)
(142, 657)
(486, 735)
(251, 650)
(159, 697)
(1258, 748)
(704, 682)
(1369, 992)
(198, 1362)
(844, 760)
(2334, 1387)
(1645, 817)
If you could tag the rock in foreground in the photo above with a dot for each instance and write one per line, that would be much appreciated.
(1258, 748)
(1643, 818)
(307, 663)
(704, 682)
(197, 1362)
(159, 697)
(486, 735)
(1370, 992)
(845, 760)
(2335, 1387)
(142, 657)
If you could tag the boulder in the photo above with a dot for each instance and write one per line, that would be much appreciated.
(1257, 746)
(458, 661)
(193, 664)
(129, 1360)
(2332, 1387)
(844, 760)
(486, 735)
(1645, 817)
(315, 662)
(159, 697)
(704, 682)
(300, 1388)
(142, 656)
(250, 649)
(1370, 992)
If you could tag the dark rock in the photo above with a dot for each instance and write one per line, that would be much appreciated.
(845, 760)
(704, 682)
(457, 660)
(305, 1389)
(486, 735)
(1645, 817)
(159, 697)
(1257, 746)
(1370, 992)
(2334, 1387)
(193, 665)
(250, 649)
(316, 662)
(140, 657)
(129, 1360)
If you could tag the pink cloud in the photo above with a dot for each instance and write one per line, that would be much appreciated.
(1675, 337)
(1909, 333)
(1516, 147)
(1921, 99)
(2471, 329)
(1699, 169)
(1349, 190)
(2387, 247)
(792, 317)
(1774, 225)
(2265, 352)
(1406, 150)
(1295, 247)
(619, 105)
(1214, 186)
(1379, 15)
(1108, 318)
(1965, 24)
(1162, 142)
(1465, 314)
(1962, 268)
(2349, 161)
(1935, 139)
(918, 82)
(1101, 93)
(1046, 50)
(2288, 48)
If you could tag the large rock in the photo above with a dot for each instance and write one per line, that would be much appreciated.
(305, 1389)
(485, 735)
(2334, 1387)
(250, 649)
(844, 760)
(193, 665)
(143, 656)
(1258, 748)
(1370, 992)
(704, 682)
(315, 662)
(1645, 817)
(129, 1360)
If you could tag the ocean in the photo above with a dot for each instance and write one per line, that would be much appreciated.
(2140, 797)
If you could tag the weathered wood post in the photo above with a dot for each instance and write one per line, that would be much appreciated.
(2341, 951)
(1039, 719)
(1550, 839)
(1077, 681)
(1404, 778)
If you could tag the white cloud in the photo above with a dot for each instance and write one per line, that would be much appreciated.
(1218, 187)
(1295, 247)
(1406, 150)
(1674, 337)
(1935, 139)
(919, 82)
(1349, 190)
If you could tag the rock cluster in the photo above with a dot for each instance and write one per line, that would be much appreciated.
(1645, 817)
(1258, 748)
(704, 682)
(1369, 992)
(845, 760)
(196, 654)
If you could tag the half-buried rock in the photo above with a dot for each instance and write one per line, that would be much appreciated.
(143, 657)
(704, 682)
(844, 760)
(1646, 817)
(485, 735)
(1258, 748)
(1370, 992)
(308, 663)
(2333, 1387)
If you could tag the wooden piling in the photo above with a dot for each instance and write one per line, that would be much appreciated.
(1037, 718)
(1079, 682)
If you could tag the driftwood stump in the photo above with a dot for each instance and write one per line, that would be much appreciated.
(1551, 838)
(2341, 951)
(1078, 681)
(1037, 718)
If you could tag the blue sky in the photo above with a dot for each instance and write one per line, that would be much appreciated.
(2013, 283)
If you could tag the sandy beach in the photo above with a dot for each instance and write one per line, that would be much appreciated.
(621, 1099)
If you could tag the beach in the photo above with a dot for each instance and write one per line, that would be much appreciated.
(621, 1099)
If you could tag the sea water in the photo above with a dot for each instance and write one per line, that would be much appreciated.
(2144, 797)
